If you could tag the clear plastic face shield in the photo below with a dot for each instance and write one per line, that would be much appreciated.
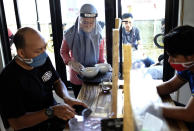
(87, 22)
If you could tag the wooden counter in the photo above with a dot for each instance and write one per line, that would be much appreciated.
(101, 104)
(174, 125)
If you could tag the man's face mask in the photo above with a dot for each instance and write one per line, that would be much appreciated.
(182, 66)
(36, 61)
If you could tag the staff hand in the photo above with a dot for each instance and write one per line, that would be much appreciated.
(154, 109)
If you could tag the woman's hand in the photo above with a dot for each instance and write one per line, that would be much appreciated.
(76, 66)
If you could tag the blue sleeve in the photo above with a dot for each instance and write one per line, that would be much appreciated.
(188, 76)
(137, 34)
(183, 74)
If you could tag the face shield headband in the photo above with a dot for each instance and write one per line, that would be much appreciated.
(88, 15)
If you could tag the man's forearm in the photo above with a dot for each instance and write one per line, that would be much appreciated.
(61, 90)
(28, 120)
(164, 89)
(169, 86)
(178, 113)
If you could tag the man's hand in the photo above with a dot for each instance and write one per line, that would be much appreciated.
(72, 101)
(76, 66)
(64, 112)
(154, 109)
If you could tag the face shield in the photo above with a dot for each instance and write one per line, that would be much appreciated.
(87, 24)
(87, 20)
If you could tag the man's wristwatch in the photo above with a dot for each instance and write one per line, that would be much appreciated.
(49, 112)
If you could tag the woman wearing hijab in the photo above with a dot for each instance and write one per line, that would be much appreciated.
(82, 45)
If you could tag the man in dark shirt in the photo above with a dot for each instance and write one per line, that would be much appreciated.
(130, 34)
(26, 97)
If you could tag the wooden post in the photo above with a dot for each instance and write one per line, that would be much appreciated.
(117, 23)
(115, 71)
(128, 114)
(115, 63)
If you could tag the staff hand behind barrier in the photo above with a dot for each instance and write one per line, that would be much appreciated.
(76, 66)
(154, 109)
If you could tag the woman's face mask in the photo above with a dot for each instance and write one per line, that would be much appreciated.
(182, 66)
(36, 61)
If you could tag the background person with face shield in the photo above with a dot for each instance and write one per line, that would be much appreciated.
(82, 45)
